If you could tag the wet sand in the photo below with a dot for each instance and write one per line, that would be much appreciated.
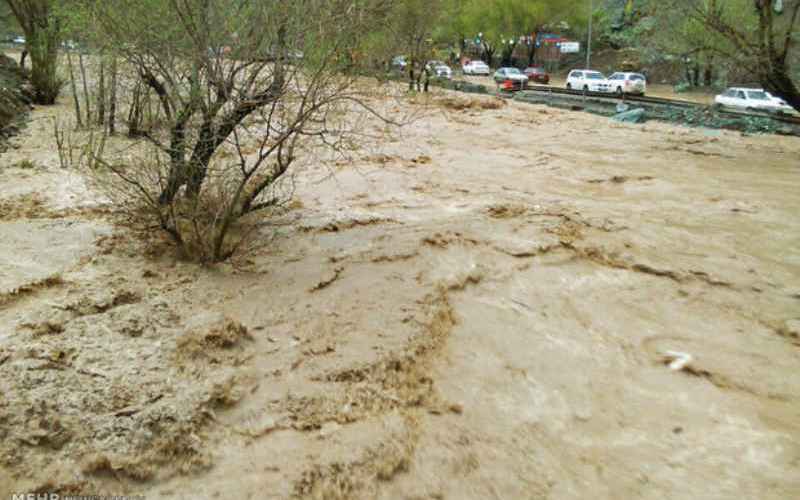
(486, 307)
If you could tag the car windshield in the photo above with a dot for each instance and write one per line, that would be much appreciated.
(758, 95)
(636, 77)
(594, 76)
(536, 70)
(479, 64)
(512, 71)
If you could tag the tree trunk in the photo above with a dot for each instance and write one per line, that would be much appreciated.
(112, 103)
(708, 73)
(212, 134)
(101, 93)
(778, 82)
(85, 89)
(74, 88)
(43, 48)
(508, 55)
(135, 111)
(488, 52)
(531, 53)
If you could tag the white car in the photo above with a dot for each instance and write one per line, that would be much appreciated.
(476, 68)
(511, 78)
(627, 83)
(439, 69)
(751, 100)
(782, 105)
(19, 40)
(588, 80)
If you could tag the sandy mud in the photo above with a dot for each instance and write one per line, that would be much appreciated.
(505, 301)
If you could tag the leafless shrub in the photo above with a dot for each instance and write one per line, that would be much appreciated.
(197, 224)
(235, 97)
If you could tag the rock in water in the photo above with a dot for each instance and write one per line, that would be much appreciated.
(632, 116)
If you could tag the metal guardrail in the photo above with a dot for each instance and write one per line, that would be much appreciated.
(605, 95)
(794, 120)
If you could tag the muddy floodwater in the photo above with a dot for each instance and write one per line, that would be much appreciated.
(501, 301)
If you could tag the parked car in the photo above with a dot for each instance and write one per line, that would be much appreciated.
(18, 40)
(782, 105)
(476, 68)
(439, 69)
(399, 63)
(627, 83)
(751, 100)
(538, 75)
(588, 80)
(511, 78)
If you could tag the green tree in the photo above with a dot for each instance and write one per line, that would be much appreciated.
(502, 23)
(414, 24)
(758, 35)
(41, 26)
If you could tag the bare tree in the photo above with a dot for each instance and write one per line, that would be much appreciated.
(244, 88)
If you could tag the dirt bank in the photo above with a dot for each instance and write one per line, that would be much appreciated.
(484, 308)
(14, 97)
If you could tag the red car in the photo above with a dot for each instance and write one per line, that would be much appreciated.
(538, 75)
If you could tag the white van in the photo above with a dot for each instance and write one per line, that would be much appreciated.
(588, 80)
(627, 83)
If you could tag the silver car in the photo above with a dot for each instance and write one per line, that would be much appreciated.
(476, 68)
(627, 83)
(511, 78)
(439, 69)
(751, 100)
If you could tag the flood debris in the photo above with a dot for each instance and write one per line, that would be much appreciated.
(328, 279)
(677, 361)
(633, 116)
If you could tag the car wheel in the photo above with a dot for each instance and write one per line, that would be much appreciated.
(586, 88)
(569, 86)
(750, 109)
(619, 91)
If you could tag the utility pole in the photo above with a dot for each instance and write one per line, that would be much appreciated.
(589, 38)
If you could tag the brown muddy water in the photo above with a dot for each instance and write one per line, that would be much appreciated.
(488, 307)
